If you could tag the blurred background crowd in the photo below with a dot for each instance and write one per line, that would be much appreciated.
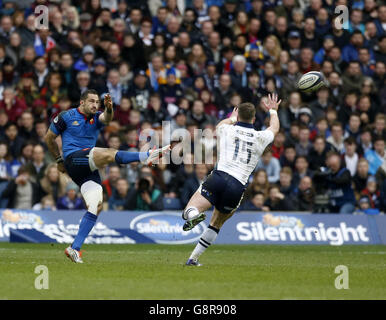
(190, 62)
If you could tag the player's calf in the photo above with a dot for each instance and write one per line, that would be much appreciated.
(92, 193)
(207, 238)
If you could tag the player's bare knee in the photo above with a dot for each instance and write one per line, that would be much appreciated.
(92, 193)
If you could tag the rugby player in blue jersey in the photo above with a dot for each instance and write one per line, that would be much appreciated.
(79, 129)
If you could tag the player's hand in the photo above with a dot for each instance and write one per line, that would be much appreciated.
(61, 167)
(272, 102)
(235, 112)
(108, 102)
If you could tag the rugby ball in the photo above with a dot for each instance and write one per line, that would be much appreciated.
(310, 81)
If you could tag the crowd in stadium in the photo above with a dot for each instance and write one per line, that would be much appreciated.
(191, 62)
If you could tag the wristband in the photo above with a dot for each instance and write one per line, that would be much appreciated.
(233, 119)
(272, 111)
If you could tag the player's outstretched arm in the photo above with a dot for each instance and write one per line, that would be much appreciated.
(231, 120)
(54, 149)
(108, 114)
(272, 105)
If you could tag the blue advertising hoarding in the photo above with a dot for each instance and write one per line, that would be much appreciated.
(119, 227)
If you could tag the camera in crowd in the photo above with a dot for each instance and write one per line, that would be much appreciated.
(143, 185)
(321, 201)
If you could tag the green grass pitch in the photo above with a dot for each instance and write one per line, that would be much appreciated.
(229, 272)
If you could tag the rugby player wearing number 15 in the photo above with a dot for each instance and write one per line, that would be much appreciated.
(240, 148)
(79, 129)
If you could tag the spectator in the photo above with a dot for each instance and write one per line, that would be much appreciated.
(81, 85)
(285, 182)
(238, 73)
(53, 183)
(350, 156)
(301, 169)
(139, 90)
(198, 115)
(271, 165)
(277, 201)
(353, 127)
(361, 175)
(291, 113)
(155, 112)
(353, 77)
(12, 105)
(305, 195)
(337, 181)
(379, 126)
(256, 203)
(5, 165)
(145, 196)
(183, 173)
(259, 183)
(14, 141)
(109, 185)
(291, 78)
(46, 203)
(376, 156)
(372, 192)
(320, 105)
(336, 139)
(120, 195)
(304, 145)
(365, 141)
(122, 111)
(223, 92)
(288, 157)
(38, 164)
(171, 91)
(191, 184)
(27, 128)
(278, 144)
(71, 201)
(364, 206)
(318, 153)
(22, 192)
(41, 71)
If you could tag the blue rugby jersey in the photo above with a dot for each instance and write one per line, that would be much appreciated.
(78, 132)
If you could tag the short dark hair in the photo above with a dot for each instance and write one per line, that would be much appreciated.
(300, 156)
(336, 124)
(246, 111)
(85, 94)
(289, 146)
(320, 137)
(350, 140)
(332, 153)
(378, 138)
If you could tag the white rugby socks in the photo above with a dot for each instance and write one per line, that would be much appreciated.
(207, 238)
(191, 213)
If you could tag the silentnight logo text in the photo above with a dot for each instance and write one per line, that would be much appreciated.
(336, 236)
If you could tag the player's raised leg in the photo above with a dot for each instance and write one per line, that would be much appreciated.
(100, 157)
(194, 212)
